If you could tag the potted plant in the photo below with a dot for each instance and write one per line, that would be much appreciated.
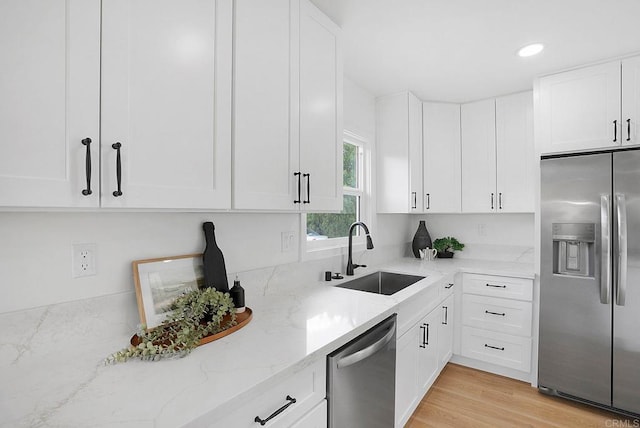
(193, 316)
(446, 246)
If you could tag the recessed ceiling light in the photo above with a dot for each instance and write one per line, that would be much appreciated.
(530, 50)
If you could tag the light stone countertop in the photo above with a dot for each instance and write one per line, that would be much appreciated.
(51, 371)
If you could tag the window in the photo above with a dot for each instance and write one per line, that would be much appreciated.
(329, 229)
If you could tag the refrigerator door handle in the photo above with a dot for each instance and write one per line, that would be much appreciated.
(605, 239)
(621, 283)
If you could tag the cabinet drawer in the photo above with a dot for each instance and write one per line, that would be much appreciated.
(498, 286)
(501, 315)
(307, 387)
(316, 418)
(497, 348)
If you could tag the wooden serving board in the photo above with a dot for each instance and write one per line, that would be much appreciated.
(242, 319)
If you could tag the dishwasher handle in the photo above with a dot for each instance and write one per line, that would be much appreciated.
(365, 353)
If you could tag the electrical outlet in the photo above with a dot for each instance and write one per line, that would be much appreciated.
(287, 241)
(83, 260)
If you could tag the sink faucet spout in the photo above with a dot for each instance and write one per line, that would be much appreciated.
(350, 265)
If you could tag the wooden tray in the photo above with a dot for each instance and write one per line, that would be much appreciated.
(242, 319)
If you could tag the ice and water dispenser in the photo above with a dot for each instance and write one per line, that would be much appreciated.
(574, 249)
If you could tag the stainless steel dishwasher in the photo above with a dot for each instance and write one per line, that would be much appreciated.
(361, 379)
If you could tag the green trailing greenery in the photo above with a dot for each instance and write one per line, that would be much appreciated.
(447, 244)
(193, 316)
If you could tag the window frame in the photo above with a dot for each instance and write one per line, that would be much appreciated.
(332, 246)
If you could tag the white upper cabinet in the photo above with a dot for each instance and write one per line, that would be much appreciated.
(288, 107)
(441, 147)
(515, 153)
(478, 156)
(498, 155)
(266, 144)
(166, 96)
(580, 109)
(320, 110)
(399, 153)
(630, 101)
(49, 102)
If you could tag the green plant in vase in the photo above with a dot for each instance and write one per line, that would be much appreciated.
(446, 246)
(194, 315)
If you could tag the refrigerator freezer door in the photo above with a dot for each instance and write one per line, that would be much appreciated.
(575, 327)
(626, 312)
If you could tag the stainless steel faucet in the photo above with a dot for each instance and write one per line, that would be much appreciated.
(350, 265)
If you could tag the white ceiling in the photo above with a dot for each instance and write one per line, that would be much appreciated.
(463, 50)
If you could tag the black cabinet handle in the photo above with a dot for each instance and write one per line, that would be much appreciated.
(496, 286)
(428, 200)
(414, 195)
(308, 200)
(500, 200)
(87, 142)
(446, 315)
(615, 130)
(492, 200)
(427, 334)
(277, 412)
(628, 129)
(493, 347)
(495, 313)
(448, 286)
(117, 146)
(297, 174)
(424, 336)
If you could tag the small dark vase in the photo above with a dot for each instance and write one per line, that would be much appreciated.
(445, 254)
(421, 239)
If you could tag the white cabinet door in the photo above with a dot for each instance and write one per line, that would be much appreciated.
(515, 153)
(165, 98)
(266, 133)
(428, 367)
(407, 347)
(580, 109)
(49, 102)
(320, 110)
(416, 201)
(441, 145)
(478, 156)
(630, 100)
(399, 153)
(445, 332)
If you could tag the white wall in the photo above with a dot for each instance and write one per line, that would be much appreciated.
(35, 247)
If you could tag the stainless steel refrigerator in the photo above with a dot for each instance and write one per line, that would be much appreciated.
(589, 347)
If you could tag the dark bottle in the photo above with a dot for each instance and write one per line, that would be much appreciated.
(237, 294)
(421, 240)
(215, 272)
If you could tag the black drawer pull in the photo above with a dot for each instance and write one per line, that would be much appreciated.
(615, 131)
(428, 201)
(414, 195)
(448, 286)
(495, 313)
(308, 200)
(117, 146)
(87, 142)
(491, 201)
(424, 336)
(298, 174)
(493, 347)
(277, 412)
(628, 129)
(496, 286)
(446, 315)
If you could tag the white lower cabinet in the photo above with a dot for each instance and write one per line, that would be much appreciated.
(423, 350)
(497, 321)
(307, 388)
(316, 418)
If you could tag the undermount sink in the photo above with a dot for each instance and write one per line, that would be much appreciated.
(386, 283)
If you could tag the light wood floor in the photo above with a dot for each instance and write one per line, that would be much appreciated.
(464, 397)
